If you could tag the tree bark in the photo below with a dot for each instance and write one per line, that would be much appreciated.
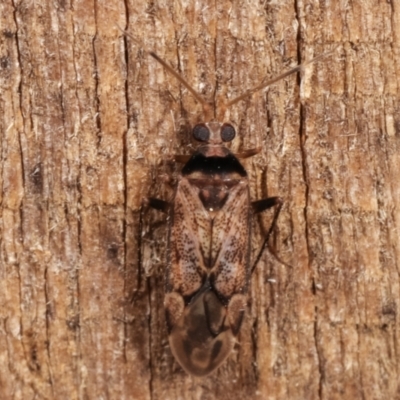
(88, 125)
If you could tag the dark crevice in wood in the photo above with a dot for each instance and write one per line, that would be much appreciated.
(18, 48)
(255, 349)
(96, 78)
(151, 366)
(48, 322)
(319, 355)
(125, 151)
(305, 173)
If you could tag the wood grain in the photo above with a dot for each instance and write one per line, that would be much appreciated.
(88, 125)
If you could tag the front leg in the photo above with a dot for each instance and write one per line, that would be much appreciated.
(158, 204)
(248, 153)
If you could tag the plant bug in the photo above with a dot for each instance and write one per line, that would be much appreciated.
(209, 268)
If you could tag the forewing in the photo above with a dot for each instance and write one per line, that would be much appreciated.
(190, 240)
(230, 243)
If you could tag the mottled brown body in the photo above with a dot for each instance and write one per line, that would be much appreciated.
(208, 271)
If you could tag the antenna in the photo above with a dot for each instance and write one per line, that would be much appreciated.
(181, 79)
(263, 85)
(207, 107)
(225, 105)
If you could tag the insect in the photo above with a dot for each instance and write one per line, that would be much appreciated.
(208, 271)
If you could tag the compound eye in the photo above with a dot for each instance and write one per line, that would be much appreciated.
(201, 133)
(227, 133)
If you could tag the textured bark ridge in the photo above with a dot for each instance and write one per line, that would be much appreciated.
(88, 125)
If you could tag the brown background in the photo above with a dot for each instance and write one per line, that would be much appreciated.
(88, 121)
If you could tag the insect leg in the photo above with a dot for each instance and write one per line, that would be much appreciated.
(262, 205)
(159, 204)
(265, 204)
(248, 153)
(181, 158)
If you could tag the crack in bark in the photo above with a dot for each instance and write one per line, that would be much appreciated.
(253, 333)
(319, 354)
(125, 174)
(305, 173)
(47, 321)
(78, 227)
(151, 389)
(96, 77)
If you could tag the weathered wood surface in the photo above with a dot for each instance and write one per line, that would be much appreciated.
(87, 123)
